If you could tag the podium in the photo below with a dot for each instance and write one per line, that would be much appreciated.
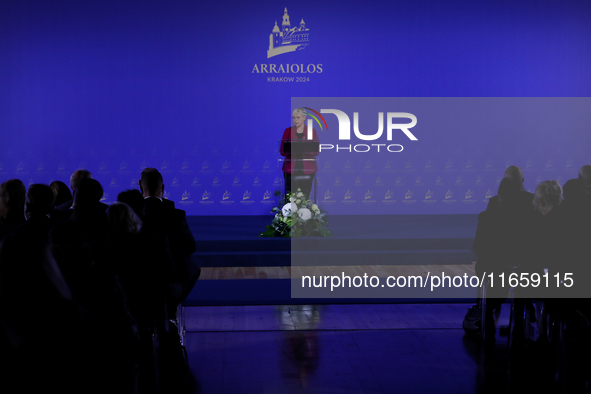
(300, 147)
(301, 152)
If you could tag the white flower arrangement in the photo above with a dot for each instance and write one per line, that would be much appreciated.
(304, 214)
(289, 209)
(297, 216)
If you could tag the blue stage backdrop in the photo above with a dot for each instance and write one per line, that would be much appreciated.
(202, 90)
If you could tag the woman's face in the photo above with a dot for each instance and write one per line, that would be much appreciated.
(298, 119)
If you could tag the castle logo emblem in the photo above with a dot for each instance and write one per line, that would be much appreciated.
(287, 39)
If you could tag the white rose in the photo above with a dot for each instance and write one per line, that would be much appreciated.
(292, 199)
(298, 201)
(288, 209)
(304, 214)
(300, 195)
(315, 207)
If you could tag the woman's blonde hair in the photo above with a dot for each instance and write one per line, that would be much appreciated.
(548, 193)
(300, 110)
(122, 219)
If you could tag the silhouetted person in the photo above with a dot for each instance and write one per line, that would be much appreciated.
(80, 248)
(576, 259)
(134, 199)
(75, 179)
(31, 239)
(33, 290)
(500, 242)
(79, 243)
(39, 205)
(61, 191)
(580, 187)
(577, 211)
(514, 174)
(547, 229)
(511, 208)
(12, 203)
(536, 365)
(88, 209)
(160, 217)
(146, 275)
(545, 238)
(135, 258)
(168, 228)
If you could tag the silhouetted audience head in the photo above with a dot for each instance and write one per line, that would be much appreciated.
(77, 176)
(585, 178)
(573, 191)
(510, 193)
(39, 200)
(90, 213)
(88, 193)
(548, 196)
(133, 198)
(122, 219)
(515, 174)
(61, 191)
(12, 198)
(151, 183)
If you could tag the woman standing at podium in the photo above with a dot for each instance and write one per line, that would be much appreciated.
(299, 169)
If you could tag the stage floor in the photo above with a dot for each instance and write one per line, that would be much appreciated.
(345, 349)
(245, 334)
(241, 268)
